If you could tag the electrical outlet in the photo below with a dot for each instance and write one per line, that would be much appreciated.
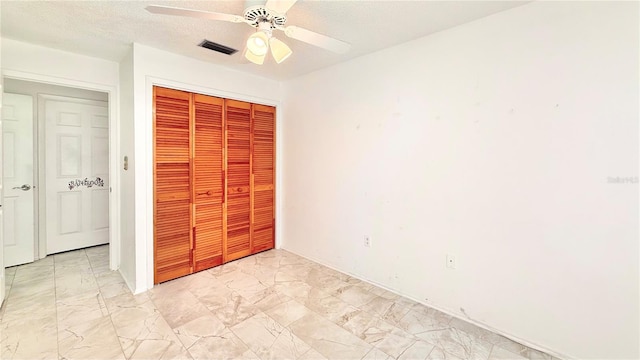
(451, 261)
(367, 241)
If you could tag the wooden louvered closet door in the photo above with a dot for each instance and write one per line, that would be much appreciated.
(213, 181)
(208, 181)
(238, 137)
(172, 174)
(262, 182)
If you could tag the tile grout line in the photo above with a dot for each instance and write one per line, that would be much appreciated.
(225, 325)
(430, 352)
(239, 338)
(55, 304)
(5, 303)
(378, 317)
(172, 329)
(415, 339)
(252, 316)
(115, 331)
(264, 312)
(342, 326)
(471, 334)
(310, 310)
(493, 346)
(276, 338)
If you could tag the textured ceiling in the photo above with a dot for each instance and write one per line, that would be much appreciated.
(106, 29)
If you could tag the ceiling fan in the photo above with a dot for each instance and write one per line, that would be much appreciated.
(264, 18)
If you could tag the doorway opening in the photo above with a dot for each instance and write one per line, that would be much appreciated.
(56, 162)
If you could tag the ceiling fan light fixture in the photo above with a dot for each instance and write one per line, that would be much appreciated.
(279, 50)
(264, 18)
(256, 59)
(258, 43)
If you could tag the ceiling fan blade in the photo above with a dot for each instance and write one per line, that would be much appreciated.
(280, 6)
(316, 39)
(170, 10)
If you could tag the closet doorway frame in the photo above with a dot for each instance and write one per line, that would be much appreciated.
(148, 151)
(114, 149)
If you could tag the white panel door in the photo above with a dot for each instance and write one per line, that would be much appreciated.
(17, 168)
(77, 173)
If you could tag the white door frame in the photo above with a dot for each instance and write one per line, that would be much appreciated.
(2, 276)
(114, 153)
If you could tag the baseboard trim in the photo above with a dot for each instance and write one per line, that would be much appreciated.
(133, 290)
(437, 307)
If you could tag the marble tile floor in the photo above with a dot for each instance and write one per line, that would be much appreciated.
(274, 305)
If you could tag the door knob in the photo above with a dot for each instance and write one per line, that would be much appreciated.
(24, 187)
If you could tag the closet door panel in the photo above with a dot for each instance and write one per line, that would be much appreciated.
(208, 181)
(238, 178)
(263, 161)
(172, 174)
(214, 162)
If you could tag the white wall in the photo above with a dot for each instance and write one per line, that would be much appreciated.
(2, 276)
(48, 62)
(493, 141)
(152, 66)
(34, 88)
(127, 178)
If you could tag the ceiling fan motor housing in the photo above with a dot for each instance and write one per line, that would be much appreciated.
(257, 15)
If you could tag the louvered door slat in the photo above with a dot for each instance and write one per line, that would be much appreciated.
(263, 164)
(172, 174)
(238, 132)
(208, 187)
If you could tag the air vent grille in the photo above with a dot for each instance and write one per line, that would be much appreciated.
(217, 47)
